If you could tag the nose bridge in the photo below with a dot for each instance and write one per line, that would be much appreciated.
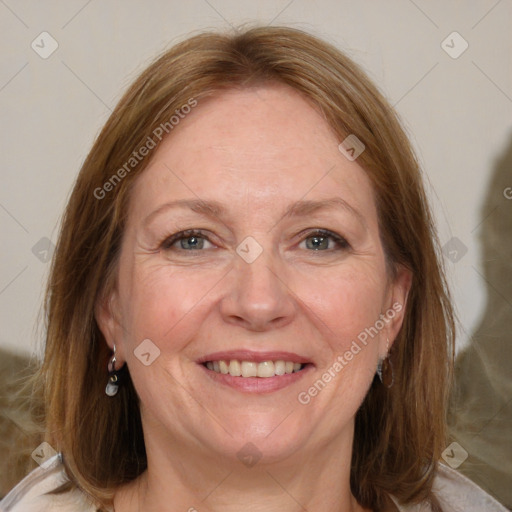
(258, 297)
(260, 281)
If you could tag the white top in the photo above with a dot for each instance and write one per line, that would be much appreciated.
(455, 492)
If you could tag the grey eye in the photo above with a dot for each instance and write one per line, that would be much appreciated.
(192, 242)
(324, 241)
(189, 240)
(317, 243)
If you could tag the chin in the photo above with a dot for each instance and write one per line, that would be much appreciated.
(268, 439)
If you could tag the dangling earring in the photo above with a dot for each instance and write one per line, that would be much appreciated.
(385, 369)
(113, 376)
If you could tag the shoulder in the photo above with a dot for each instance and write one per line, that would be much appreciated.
(31, 494)
(456, 493)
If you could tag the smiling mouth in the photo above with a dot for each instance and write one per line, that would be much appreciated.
(246, 369)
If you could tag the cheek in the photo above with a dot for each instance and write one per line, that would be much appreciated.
(344, 303)
(160, 301)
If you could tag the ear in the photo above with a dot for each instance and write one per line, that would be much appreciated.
(396, 304)
(107, 317)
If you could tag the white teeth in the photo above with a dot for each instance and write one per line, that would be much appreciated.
(223, 367)
(234, 368)
(263, 369)
(266, 369)
(249, 369)
(280, 367)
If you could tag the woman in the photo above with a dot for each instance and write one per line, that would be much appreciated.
(246, 306)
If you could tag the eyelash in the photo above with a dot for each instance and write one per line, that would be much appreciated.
(182, 235)
(325, 233)
(321, 233)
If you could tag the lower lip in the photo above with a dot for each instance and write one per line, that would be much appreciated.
(258, 384)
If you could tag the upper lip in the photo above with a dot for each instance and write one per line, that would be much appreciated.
(250, 355)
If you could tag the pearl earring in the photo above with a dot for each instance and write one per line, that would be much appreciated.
(113, 376)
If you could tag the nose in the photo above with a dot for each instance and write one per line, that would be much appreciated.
(258, 298)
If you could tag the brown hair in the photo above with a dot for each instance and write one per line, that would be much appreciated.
(400, 432)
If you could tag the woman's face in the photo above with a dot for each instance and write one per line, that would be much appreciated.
(281, 263)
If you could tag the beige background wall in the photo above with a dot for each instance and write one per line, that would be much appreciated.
(458, 111)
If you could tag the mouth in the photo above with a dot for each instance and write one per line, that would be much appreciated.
(255, 371)
(247, 369)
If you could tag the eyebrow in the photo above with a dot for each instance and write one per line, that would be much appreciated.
(206, 208)
(304, 208)
(301, 208)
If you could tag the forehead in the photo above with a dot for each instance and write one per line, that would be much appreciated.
(265, 144)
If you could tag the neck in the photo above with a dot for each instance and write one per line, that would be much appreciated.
(187, 478)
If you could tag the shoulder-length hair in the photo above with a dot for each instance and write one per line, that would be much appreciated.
(400, 432)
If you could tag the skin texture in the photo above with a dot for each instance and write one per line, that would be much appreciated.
(256, 151)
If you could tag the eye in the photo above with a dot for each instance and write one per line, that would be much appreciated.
(189, 240)
(324, 240)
